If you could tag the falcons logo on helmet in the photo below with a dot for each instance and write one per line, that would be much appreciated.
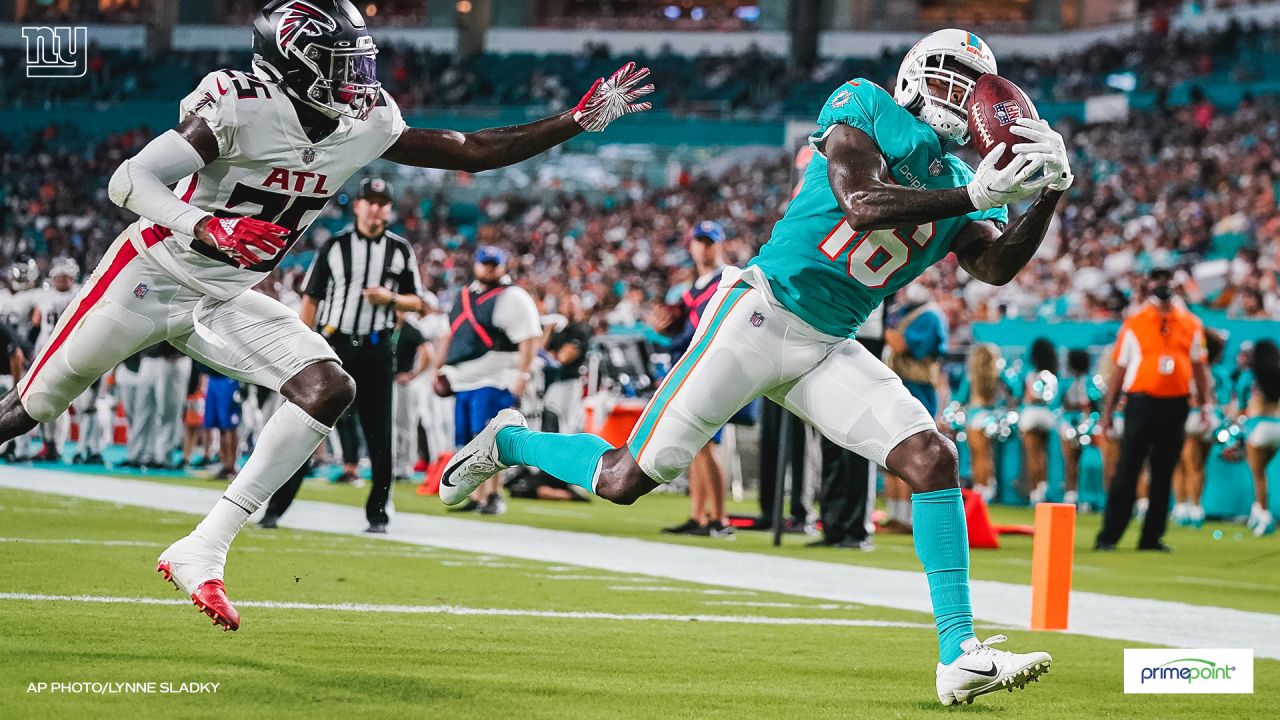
(301, 18)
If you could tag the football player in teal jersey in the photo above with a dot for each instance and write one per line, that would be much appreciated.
(883, 199)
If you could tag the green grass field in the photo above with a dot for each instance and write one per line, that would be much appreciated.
(318, 661)
(1220, 564)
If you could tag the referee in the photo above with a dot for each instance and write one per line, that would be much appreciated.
(355, 284)
(1159, 350)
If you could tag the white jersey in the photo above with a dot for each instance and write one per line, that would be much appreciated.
(266, 168)
(11, 313)
(51, 303)
(16, 309)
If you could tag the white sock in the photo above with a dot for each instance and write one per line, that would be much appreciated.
(286, 441)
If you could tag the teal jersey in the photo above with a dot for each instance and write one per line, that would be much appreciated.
(1243, 388)
(817, 266)
(1221, 385)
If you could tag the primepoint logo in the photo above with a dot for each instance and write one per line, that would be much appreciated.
(1188, 671)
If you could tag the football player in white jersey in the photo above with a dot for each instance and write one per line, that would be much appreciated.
(47, 305)
(15, 312)
(24, 280)
(254, 158)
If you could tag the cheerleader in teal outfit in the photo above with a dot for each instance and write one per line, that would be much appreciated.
(1188, 477)
(1262, 431)
(1082, 394)
(982, 395)
(1039, 395)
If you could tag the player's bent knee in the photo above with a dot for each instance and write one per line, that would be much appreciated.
(621, 480)
(323, 390)
(926, 461)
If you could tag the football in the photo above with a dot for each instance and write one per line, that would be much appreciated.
(996, 104)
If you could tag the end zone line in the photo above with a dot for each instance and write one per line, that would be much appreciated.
(466, 611)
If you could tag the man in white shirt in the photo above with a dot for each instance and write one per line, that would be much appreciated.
(494, 332)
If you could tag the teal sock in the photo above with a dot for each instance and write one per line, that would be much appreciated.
(572, 458)
(942, 544)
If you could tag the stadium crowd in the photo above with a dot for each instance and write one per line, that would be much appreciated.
(753, 83)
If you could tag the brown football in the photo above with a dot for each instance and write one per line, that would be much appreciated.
(996, 104)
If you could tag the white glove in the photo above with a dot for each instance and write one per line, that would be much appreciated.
(1047, 141)
(992, 187)
(608, 100)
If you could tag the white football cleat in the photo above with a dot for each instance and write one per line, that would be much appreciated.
(983, 669)
(477, 461)
(1260, 521)
(196, 570)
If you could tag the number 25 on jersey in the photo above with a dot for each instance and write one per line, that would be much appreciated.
(876, 254)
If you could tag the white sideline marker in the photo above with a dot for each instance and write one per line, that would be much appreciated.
(465, 611)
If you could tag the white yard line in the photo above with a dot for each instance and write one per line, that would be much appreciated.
(1159, 622)
(82, 541)
(489, 612)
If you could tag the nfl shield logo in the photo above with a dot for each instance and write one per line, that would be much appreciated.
(308, 156)
(141, 291)
(757, 319)
(935, 167)
(1006, 112)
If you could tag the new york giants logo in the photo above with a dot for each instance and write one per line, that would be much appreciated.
(298, 19)
(1006, 112)
(57, 52)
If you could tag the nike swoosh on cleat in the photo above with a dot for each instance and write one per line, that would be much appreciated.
(444, 480)
(989, 673)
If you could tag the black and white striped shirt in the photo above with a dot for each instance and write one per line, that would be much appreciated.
(346, 265)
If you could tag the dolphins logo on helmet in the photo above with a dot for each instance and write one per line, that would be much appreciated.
(950, 57)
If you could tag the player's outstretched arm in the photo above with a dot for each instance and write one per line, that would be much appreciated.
(606, 101)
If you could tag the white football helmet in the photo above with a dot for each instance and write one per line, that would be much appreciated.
(927, 61)
(64, 266)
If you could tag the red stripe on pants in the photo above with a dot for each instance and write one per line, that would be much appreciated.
(124, 256)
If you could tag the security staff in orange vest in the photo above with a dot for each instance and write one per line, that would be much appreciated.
(1160, 348)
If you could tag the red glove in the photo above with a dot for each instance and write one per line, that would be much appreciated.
(247, 240)
(608, 100)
